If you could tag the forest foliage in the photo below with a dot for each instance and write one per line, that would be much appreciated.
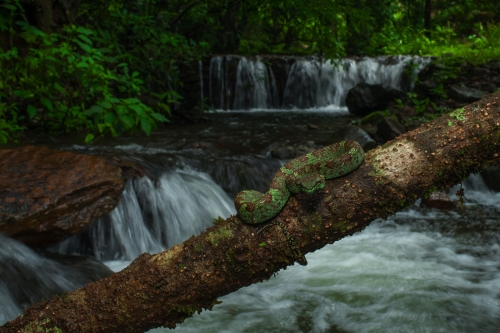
(101, 67)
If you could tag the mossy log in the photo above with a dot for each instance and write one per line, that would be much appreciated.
(164, 289)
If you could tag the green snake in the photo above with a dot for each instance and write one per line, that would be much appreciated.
(306, 173)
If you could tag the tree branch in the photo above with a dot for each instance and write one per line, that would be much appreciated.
(166, 288)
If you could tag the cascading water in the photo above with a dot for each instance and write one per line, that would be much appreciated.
(422, 270)
(27, 277)
(254, 86)
(310, 83)
(153, 216)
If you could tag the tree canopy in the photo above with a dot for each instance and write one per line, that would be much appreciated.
(110, 67)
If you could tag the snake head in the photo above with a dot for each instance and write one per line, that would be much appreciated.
(306, 183)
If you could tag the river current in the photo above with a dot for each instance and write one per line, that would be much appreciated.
(421, 270)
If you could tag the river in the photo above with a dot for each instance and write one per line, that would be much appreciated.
(422, 270)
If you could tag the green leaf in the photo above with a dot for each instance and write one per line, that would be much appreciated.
(32, 111)
(109, 118)
(146, 125)
(84, 31)
(93, 110)
(84, 46)
(159, 117)
(89, 137)
(82, 64)
(131, 100)
(85, 39)
(128, 121)
(138, 109)
(58, 87)
(105, 104)
(101, 127)
(47, 103)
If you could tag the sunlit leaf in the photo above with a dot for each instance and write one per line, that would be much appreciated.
(89, 137)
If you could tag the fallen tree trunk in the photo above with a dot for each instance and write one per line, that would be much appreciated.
(165, 288)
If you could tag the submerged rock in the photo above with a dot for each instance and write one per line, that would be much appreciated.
(355, 133)
(287, 152)
(439, 200)
(366, 98)
(465, 94)
(389, 128)
(48, 195)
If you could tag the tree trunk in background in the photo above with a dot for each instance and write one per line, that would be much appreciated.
(44, 17)
(166, 288)
(427, 18)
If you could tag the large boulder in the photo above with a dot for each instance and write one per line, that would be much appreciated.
(355, 133)
(287, 151)
(465, 94)
(48, 195)
(389, 128)
(365, 98)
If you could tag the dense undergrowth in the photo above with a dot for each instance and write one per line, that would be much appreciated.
(112, 67)
(480, 47)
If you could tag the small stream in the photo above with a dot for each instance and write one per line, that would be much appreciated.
(422, 270)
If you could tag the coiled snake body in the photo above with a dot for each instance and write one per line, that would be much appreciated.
(306, 173)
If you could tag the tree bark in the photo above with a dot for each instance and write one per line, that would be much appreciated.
(166, 288)
(44, 17)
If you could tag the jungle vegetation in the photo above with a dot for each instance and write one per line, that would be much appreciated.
(108, 67)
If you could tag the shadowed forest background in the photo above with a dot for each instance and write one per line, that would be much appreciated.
(112, 67)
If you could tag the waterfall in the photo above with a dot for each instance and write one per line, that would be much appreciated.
(254, 88)
(307, 82)
(153, 216)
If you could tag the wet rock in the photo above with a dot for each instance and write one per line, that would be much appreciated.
(374, 118)
(366, 98)
(355, 133)
(490, 87)
(202, 145)
(405, 113)
(491, 177)
(412, 124)
(465, 94)
(31, 277)
(389, 128)
(480, 72)
(287, 152)
(130, 169)
(426, 85)
(48, 195)
(439, 200)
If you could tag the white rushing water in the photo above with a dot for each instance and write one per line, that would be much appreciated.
(311, 84)
(153, 216)
(388, 278)
(407, 274)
